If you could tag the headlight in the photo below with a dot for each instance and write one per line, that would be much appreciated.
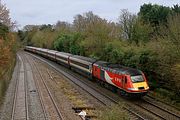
(132, 88)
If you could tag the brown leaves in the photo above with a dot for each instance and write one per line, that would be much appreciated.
(6, 51)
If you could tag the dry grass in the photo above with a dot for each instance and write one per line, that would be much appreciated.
(115, 112)
(71, 93)
(167, 97)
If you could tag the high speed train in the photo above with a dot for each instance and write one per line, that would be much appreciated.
(127, 81)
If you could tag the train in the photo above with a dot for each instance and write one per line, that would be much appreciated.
(126, 81)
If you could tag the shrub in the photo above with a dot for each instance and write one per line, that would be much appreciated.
(69, 43)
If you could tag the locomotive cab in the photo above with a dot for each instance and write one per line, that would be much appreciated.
(138, 84)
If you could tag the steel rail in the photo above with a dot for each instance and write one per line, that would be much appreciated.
(16, 88)
(39, 93)
(48, 90)
(164, 110)
(176, 109)
(26, 90)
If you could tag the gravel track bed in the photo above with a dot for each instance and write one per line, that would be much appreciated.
(47, 101)
(19, 106)
(34, 105)
(24, 105)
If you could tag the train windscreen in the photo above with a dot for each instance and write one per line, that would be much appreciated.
(137, 78)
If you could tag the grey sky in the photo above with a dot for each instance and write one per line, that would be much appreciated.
(50, 11)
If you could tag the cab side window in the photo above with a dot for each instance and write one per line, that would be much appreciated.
(125, 79)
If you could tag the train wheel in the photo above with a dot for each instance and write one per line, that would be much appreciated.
(120, 92)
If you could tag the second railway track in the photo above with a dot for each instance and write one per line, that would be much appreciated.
(49, 106)
(157, 110)
(20, 104)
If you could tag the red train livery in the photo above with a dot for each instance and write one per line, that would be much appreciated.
(128, 79)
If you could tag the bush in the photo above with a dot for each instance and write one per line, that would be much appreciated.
(4, 30)
(112, 54)
(69, 43)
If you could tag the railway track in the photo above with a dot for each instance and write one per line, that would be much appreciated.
(93, 92)
(162, 112)
(157, 111)
(20, 104)
(49, 106)
(166, 106)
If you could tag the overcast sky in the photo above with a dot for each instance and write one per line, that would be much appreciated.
(50, 11)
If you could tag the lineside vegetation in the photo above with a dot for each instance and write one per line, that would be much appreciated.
(8, 46)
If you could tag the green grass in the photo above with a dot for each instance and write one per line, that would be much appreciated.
(5, 79)
(166, 96)
(115, 112)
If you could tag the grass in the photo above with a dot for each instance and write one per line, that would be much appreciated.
(166, 96)
(71, 93)
(115, 112)
(5, 79)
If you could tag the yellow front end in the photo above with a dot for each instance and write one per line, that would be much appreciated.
(141, 86)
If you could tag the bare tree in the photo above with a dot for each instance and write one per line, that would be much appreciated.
(62, 26)
(31, 27)
(79, 23)
(126, 21)
(5, 17)
(83, 22)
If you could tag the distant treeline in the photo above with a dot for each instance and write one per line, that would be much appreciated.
(149, 41)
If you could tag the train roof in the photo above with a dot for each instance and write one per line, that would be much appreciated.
(120, 68)
(42, 49)
(52, 50)
(83, 58)
(59, 53)
(30, 47)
